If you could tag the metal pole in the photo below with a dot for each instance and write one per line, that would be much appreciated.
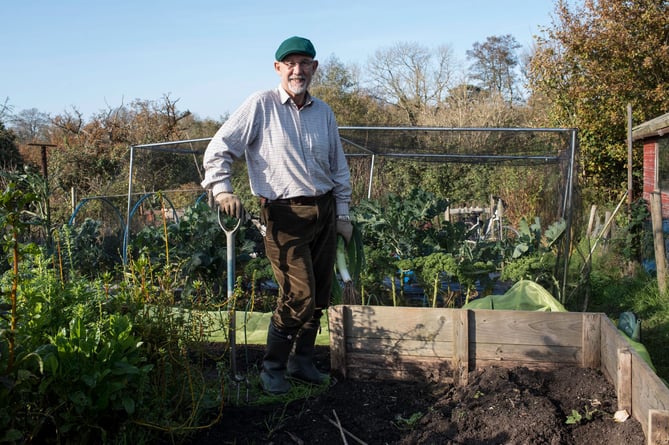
(45, 175)
(371, 176)
(73, 202)
(567, 212)
(126, 232)
(629, 159)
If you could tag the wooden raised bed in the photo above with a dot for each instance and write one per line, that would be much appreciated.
(443, 345)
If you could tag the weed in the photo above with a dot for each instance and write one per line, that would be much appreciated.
(409, 423)
(276, 421)
(458, 414)
(576, 417)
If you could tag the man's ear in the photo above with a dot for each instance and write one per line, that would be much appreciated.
(277, 67)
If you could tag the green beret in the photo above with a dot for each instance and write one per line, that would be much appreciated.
(295, 45)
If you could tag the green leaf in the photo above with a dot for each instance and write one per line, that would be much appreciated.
(12, 435)
(574, 418)
(520, 250)
(555, 232)
(78, 398)
(128, 405)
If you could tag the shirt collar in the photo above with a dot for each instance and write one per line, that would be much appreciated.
(283, 95)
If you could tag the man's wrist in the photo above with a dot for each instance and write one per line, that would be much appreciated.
(343, 218)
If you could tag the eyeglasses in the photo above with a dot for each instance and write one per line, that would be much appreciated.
(304, 64)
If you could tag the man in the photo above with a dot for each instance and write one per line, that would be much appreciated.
(297, 168)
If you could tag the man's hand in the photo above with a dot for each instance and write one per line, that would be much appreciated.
(345, 229)
(230, 204)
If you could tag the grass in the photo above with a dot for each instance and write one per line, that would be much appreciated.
(614, 292)
(252, 328)
(653, 308)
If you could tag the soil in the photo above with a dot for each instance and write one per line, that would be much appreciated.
(499, 406)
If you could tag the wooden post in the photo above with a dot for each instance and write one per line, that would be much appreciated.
(591, 221)
(658, 427)
(658, 240)
(461, 347)
(337, 324)
(591, 341)
(47, 193)
(607, 231)
(624, 380)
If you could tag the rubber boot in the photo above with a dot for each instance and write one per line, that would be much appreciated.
(273, 374)
(301, 364)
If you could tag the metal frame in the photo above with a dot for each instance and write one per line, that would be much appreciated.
(567, 205)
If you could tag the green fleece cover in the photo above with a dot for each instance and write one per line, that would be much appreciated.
(252, 329)
(525, 295)
(639, 348)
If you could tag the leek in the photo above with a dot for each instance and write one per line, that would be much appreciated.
(342, 267)
(350, 294)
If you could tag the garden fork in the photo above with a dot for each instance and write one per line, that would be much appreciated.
(232, 318)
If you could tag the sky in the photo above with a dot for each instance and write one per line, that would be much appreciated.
(209, 55)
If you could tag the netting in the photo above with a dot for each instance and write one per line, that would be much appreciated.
(517, 146)
(532, 170)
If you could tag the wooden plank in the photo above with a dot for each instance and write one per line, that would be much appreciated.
(591, 342)
(508, 364)
(377, 367)
(405, 375)
(658, 427)
(528, 327)
(432, 333)
(500, 352)
(591, 220)
(624, 377)
(489, 353)
(611, 342)
(461, 347)
(399, 323)
(648, 391)
(337, 327)
(658, 240)
(389, 346)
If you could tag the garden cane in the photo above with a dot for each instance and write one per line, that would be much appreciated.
(232, 319)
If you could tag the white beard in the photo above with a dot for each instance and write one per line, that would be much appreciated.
(296, 88)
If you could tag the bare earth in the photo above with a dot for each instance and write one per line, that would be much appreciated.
(499, 406)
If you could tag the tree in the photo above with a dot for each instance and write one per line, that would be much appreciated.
(92, 156)
(339, 86)
(593, 61)
(5, 109)
(31, 125)
(9, 152)
(494, 65)
(412, 78)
